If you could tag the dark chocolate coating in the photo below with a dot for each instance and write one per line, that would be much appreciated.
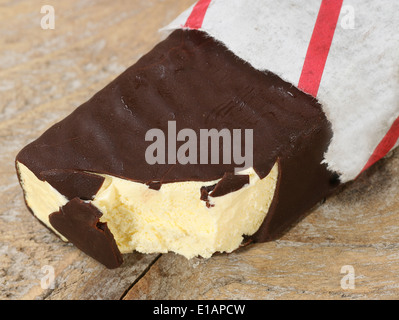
(78, 221)
(73, 184)
(229, 183)
(194, 80)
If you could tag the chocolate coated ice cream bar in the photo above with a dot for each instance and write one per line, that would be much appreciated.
(101, 180)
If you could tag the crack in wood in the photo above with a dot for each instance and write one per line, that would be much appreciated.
(141, 275)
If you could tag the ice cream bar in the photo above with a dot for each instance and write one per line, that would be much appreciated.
(87, 177)
(197, 148)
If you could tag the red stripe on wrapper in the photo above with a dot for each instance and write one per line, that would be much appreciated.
(196, 17)
(386, 144)
(315, 60)
(319, 46)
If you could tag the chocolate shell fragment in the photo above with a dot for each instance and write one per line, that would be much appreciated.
(193, 80)
(72, 183)
(79, 223)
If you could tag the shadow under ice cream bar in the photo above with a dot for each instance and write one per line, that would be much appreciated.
(87, 178)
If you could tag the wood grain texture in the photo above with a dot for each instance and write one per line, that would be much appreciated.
(45, 74)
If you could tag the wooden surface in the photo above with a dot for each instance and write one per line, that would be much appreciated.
(45, 74)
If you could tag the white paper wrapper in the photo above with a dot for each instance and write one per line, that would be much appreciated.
(359, 88)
